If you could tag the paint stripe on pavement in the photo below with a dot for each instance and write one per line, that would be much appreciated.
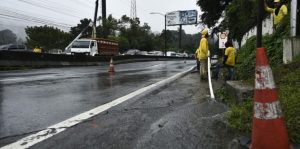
(62, 126)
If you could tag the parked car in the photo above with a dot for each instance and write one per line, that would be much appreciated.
(15, 47)
(132, 52)
(171, 53)
(55, 51)
(143, 53)
(156, 53)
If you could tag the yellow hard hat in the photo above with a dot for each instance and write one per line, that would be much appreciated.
(276, 1)
(204, 32)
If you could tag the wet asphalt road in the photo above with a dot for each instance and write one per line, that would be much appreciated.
(177, 116)
(34, 99)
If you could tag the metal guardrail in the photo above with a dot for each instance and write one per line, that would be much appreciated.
(30, 59)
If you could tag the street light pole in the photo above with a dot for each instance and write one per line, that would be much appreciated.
(165, 35)
(165, 29)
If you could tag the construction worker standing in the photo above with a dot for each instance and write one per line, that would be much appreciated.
(203, 53)
(278, 12)
(229, 60)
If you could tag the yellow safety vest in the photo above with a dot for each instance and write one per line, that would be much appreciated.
(231, 53)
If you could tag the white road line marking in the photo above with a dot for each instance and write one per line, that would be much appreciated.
(62, 126)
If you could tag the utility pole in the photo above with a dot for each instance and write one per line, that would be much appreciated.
(180, 28)
(103, 11)
(259, 23)
(104, 18)
(95, 19)
(165, 34)
(298, 19)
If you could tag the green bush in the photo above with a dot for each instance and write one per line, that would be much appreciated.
(273, 44)
(246, 58)
(289, 90)
(240, 116)
(287, 78)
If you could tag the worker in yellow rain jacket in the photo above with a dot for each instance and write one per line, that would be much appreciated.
(202, 54)
(278, 12)
(229, 60)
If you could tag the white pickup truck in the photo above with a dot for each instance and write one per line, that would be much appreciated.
(84, 46)
(96, 46)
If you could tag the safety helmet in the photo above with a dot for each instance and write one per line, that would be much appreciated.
(276, 1)
(204, 32)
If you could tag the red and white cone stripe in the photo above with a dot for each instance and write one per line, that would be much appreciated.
(264, 78)
(266, 107)
(267, 111)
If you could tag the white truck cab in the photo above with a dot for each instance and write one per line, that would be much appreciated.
(84, 46)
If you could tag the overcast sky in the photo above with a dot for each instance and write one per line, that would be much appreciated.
(66, 13)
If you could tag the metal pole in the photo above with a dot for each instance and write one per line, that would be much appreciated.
(104, 18)
(180, 28)
(95, 19)
(259, 23)
(96, 12)
(103, 11)
(298, 19)
(165, 35)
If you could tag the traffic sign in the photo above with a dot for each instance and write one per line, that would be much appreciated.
(222, 40)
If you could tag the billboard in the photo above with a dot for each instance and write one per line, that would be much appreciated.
(182, 17)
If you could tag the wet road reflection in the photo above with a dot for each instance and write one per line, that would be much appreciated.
(35, 99)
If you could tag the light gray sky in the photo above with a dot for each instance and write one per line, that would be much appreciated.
(66, 13)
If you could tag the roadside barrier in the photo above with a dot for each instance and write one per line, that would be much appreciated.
(269, 130)
(38, 60)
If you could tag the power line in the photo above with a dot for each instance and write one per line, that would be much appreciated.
(16, 14)
(48, 8)
(35, 21)
(86, 4)
(22, 20)
(7, 14)
(23, 14)
(65, 7)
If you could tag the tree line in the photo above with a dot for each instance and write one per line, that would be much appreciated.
(128, 32)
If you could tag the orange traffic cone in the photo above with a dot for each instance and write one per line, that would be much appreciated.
(111, 66)
(269, 130)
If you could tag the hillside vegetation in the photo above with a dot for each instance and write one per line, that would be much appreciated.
(287, 78)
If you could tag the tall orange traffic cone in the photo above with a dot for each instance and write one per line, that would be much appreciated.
(269, 130)
(111, 66)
